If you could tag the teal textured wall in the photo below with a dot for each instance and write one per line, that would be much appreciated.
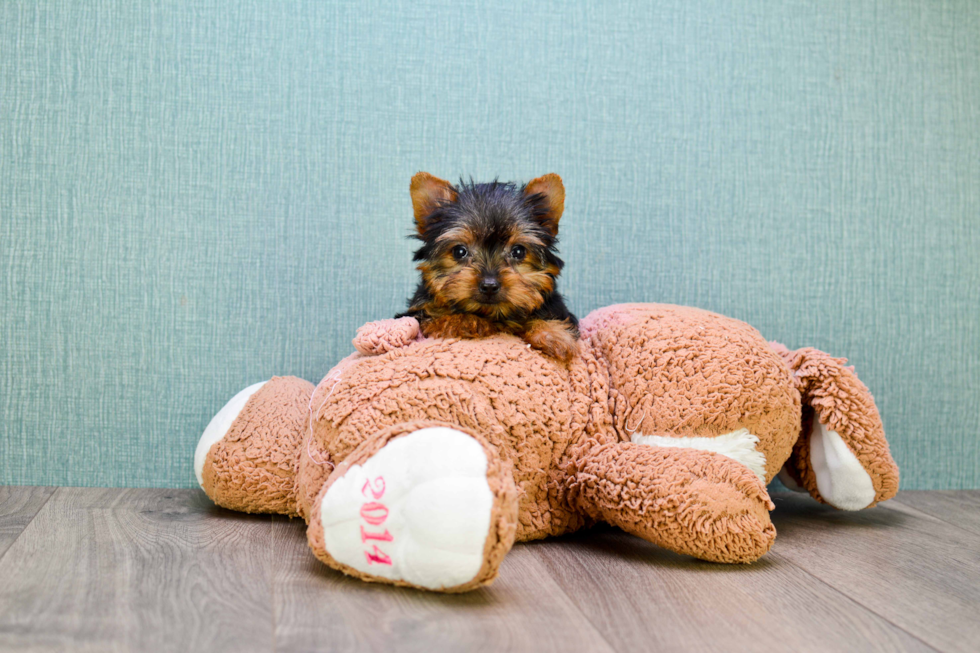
(195, 196)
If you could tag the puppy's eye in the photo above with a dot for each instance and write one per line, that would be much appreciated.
(459, 252)
(518, 252)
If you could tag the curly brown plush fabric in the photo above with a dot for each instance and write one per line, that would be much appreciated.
(253, 468)
(385, 335)
(834, 395)
(667, 423)
(678, 371)
(694, 502)
(517, 399)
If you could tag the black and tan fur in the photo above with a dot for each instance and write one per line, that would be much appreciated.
(489, 262)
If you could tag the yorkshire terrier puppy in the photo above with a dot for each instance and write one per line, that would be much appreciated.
(489, 262)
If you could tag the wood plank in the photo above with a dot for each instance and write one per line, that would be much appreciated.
(960, 508)
(643, 598)
(18, 505)
(104, 570)
(137, 570)
(919, 572)
(318, 608)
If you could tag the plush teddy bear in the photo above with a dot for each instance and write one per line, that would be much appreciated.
(419, 461)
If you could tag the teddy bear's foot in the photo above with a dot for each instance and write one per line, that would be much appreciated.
(247, 457)
(218, 427)
(420, 505)
(838, 475)
(841, 457)
(691, 501)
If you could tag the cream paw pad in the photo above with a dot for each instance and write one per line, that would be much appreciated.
(420, 511)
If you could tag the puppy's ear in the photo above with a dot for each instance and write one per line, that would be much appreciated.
(428, 194)
(552, 205)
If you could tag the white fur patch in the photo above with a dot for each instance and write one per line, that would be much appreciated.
(418, 510)
(738, 445)
(218, 428)
(841, 478)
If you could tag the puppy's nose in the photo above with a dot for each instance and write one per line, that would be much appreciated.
(489, 285)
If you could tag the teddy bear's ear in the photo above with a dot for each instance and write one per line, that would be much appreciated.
(428, 194)
(552, 205)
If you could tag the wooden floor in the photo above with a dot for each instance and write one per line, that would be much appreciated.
(164, 570)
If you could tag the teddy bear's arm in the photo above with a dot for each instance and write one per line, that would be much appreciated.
(382, 336)
(841, 457)
(690, 501)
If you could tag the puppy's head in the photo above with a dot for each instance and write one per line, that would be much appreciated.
(488, 249)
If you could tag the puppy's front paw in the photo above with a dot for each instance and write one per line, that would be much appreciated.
(555, 338)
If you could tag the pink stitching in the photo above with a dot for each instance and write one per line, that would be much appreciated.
(374, 513)
(384, 537)
(375, 492)
(378, 556)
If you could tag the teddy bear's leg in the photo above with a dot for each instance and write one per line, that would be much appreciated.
(419, 504)
(691, 501)
(841, 457)
(247, 457)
